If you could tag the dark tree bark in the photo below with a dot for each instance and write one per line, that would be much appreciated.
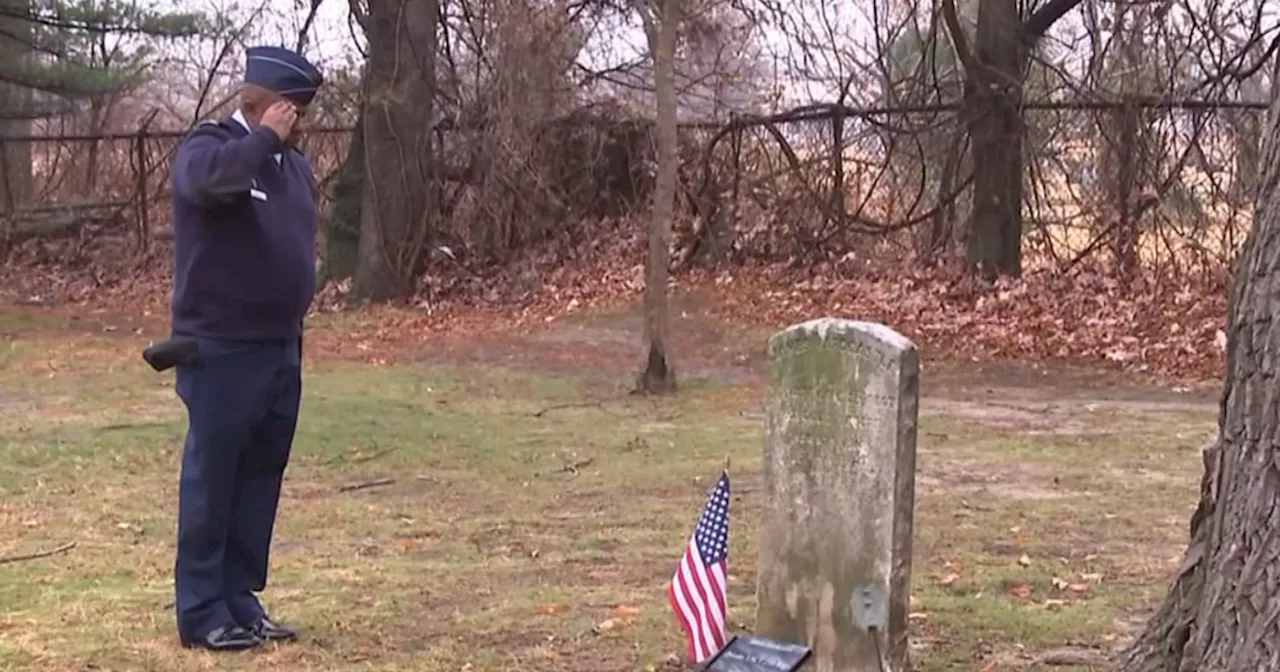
(661, 20)
(398, 203)
(15, 105)
(1123, 187)
(342, 230)
(994, 76)
(941, 234)
(995, 125)
(1223, 611)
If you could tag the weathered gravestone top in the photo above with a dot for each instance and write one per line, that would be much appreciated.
(835, 535)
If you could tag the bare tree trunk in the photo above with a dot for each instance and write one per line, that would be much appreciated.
(938, 237)
(93, 127)
(1223, 611)
(1124, 137)
(398, 206)
(837, 195)
(994, 96)
(1247, 128)
(661, 29)
(1124, 246)
(342, 222)
(15, 106)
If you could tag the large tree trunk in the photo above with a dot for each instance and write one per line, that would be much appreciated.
(1223, 611)
(398, 207)
(661, 28)
(993, 95)
(992, 105)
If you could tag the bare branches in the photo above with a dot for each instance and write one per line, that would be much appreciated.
(228, 43)
(4, 560)
(958, 38)
(365, 485)
(305, 30)
(807, 130)
(648, 19)
(1048, 14)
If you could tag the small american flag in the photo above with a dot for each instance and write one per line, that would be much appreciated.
(698, 587)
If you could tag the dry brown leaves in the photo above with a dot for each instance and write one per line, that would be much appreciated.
(1150, 324)
(1153, 323)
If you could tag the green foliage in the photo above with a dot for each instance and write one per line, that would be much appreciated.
(74, 49)
(108, 16)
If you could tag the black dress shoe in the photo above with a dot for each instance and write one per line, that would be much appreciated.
(270, 631)
(224, 638)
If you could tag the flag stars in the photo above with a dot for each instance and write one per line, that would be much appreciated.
(712, 531)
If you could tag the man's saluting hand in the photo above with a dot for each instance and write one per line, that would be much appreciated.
(281, 117)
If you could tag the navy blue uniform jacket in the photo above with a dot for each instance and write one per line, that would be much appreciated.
(244, 231)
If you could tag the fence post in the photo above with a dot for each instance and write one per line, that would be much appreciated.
(144, 219)
(8, 205)
(725, 233)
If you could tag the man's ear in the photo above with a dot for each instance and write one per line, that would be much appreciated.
(254, 101)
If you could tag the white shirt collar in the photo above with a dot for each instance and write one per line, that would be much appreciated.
(239, 116)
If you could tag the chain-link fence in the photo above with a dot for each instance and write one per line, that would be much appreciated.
(1143, 182)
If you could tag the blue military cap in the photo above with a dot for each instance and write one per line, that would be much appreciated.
(283, 71)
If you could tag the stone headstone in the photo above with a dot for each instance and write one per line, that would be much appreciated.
(839, 472)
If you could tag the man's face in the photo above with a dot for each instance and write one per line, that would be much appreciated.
(254, 117)
(296, 136)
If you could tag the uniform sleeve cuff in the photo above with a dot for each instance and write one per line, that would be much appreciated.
(269, 138)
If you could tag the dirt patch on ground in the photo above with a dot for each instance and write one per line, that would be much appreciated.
(11, 401)
(607, 348)
(1014, 481)
(1079, 416)
(611, 344)
(1038, 396)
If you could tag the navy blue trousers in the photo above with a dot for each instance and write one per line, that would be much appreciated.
(242, 408)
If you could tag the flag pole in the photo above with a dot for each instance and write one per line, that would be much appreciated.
(726, 463)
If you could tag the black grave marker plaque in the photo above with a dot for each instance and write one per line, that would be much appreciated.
(757, 654)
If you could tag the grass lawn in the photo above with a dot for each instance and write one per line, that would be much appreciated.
(526, 528)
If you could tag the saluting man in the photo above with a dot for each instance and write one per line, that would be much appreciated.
(244, 222)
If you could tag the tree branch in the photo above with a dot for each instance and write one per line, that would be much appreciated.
(306, 25)
(40, 554)
(358, 13)
(1038, 23)
(649, 20)
(958, 38)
